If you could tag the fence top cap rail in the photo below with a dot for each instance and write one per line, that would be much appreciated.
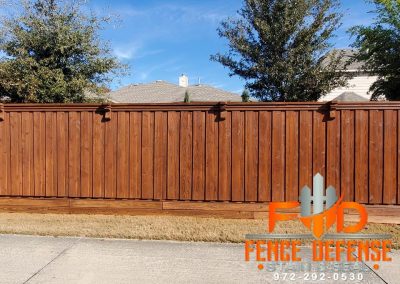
(193, 106)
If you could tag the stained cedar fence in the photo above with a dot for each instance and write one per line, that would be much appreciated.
(256, 152)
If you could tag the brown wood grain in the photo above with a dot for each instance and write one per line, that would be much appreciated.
(248, 153)
(98, 156)
(186, 159)
(74, 154)
(173, 155)
(333, 153)
(51, 154)
(305, 149)
(110, 158)
(224, 162)
(398, 157)
(361, 156)
(86, 154)
(375, 156)
(347, 154)
(5, 155)
(62, 154)
(28, 178)
(199, 150)
(211, 156)
(319, 143)
(160, 155)
(238, 134)
(264, 167)
(148, 155)
(135, 155)
(278, 156)
(39, 137)
(390, 157)
(16, 153)
(292, 156)
(251, 156)
(123, 155)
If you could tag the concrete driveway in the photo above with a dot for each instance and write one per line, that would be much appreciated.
(31, 259)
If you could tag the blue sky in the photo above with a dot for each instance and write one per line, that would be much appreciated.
(162, 39)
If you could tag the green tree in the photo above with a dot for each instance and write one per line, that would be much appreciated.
(53, 53)
(281, 47)
(379, 48)
(186, 99)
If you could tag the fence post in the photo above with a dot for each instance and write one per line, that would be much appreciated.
(332, 109)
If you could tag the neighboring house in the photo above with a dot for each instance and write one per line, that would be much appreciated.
(358, 86)
(165, 92)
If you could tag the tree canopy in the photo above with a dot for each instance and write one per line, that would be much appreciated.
(379, 48)
(281, 48)
(51, 52)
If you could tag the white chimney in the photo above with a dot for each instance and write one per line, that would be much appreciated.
(183, 81)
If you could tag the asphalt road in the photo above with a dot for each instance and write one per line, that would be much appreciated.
(31, 259)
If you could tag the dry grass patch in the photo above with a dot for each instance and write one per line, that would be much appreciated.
(156, 227)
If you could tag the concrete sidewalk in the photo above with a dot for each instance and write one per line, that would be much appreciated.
(31, 259)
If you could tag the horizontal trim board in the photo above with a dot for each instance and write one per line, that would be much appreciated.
(204, 106)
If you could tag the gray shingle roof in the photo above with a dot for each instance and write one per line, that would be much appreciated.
(346, 55)
(350, 97)
(165, 92)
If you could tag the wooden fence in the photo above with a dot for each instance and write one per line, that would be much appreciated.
(255, 152)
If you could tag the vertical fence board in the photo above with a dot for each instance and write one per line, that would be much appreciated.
(211, 156)
(110, 157)
(148, 155)
(238, 156)
(135, 153)
(251, 156)
(319, 144)
(39, 137)
(185, 191)
(74, 153)
(361, 156)
(375, 156)
(123, 155)
(224, 188)
(347, 154)
(390, 159)
(305, 144)
(278, 156)
(199, 153)
(173, 155)
(333, 153)
(98, 156)
(5, 155)
(16, 153)
(28, 186)
(264, 167)
(62, 154)
(51, 154)
(292, 155)
(398, 157)
(160, 155)
(86, 154)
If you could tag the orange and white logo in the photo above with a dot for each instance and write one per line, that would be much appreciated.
(319, 211)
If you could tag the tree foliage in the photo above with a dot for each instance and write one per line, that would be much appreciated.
(379, 48)
(52, 53)
(281, 47)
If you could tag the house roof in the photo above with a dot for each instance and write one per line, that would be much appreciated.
(346, 57)
(165, 92)
(350, 97)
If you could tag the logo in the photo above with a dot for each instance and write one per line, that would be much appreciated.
(319, 211)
